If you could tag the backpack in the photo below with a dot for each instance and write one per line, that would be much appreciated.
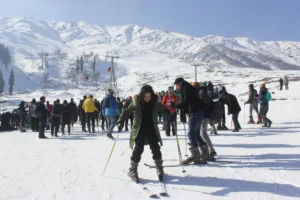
(217, 113)
(36, 111)
(268, 96)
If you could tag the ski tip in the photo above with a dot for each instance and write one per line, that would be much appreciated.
(154, 196)
(183, 171)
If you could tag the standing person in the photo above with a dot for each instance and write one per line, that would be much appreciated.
(97, 113)
(42, 117)
(73, 112)
(128, 102)
(66, 117)
(286, 82)
(222, 124)
(280, 83)
(104, 125)
(264, 105)
(56, 114)
(253, 103)
(33, 120)
(145, 108)
(207, 150)
(79, 111)
(49, 118)
(110, 110)
(210, 89)
(83, 115)
(190, 103)
(90, 109)
(169, 99)
(22, 115)
(233, 108)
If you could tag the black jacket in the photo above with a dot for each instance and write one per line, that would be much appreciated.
(57, 110)
(66, 114)
(73, 109)
(190, 102)
(231, 102)
(206, 102)
(43, 110)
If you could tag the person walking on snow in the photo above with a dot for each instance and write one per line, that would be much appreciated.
(286, 82)
(169, 99)
(145, 108)
(264, 105)
(89, 109)
(253, 104)
(280, 83)
(110, 110)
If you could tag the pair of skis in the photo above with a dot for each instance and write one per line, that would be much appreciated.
(178, 165)
(162, 191)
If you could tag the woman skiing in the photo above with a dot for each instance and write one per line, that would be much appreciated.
(145, 108)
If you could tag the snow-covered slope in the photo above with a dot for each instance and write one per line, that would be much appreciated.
(141, 49)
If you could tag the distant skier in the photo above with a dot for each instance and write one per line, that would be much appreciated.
(22, 115)
(253, 104)
(222, 124)
(66, 117)
(73, 111)
(168, 99)
(42, 117)
(56, 114)
(34, 122)
(144, 130)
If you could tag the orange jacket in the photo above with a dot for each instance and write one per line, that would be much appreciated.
(168, 99)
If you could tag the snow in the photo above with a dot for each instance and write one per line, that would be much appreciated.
(265, 164)
(265, 161)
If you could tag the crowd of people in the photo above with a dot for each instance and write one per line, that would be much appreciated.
(203, 103)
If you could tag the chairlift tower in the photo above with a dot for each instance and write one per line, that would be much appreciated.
(196, 65)
(112, 83)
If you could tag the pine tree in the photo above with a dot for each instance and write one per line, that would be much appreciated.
(81, 64)
(2, 83)
(11, 81)
(94, 64)
(77, 65)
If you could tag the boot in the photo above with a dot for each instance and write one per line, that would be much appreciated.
(250, 121)
(259, 121)
(133, 174)
(195, 158)
(159, 169)
(219, 127)
(269, 123)
(235, 130)
(265, 125)
(204, 152)
(224, 127)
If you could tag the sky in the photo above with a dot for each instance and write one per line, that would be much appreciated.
(259, 19)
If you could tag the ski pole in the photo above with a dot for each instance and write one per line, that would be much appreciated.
(185, 139)
(179, 152)
(113, 147)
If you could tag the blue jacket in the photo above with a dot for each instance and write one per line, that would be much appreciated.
(262, 96)
(113, 108)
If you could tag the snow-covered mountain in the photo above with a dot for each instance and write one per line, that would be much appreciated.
(140, 49)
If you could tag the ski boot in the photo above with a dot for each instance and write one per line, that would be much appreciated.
(109, 135)
(265, 125)
(250, 121)
(219, 127)
(195, 158)
(224, 127)
(159, 169)
(235, 130)
(133, 174)
(269, 123)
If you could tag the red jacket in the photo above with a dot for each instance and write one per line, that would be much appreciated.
(170, 98)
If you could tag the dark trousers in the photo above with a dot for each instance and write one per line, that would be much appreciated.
(104, 120)
(34, 124)
(83, 121)
(55, 125)
(281, 87)
(63, 127)
(139, 146)
(263, 110)
(172, 121)
(223, 120)
(90, 117)
(235, 120)
(131, 122)
(42, 128)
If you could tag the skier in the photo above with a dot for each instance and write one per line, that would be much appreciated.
(22, 115)
(145, 108)
(253, 104)
(280, 83)
(264, 105)
(191, 104)
(169, 99)
(233, 107)
(66, 117)
(89, 109)
(210, 89)
(207, 150)
(221, 125)
(110, 109)
(56, 114)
